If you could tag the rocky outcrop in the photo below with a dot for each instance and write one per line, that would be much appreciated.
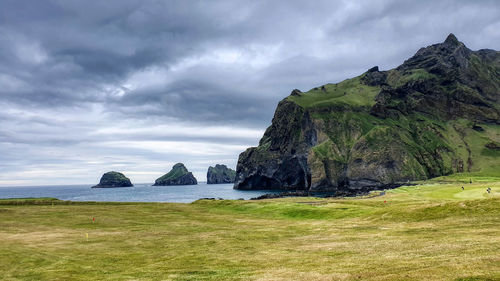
(220, 174)
(383, 128)
(179, 175)
(279, 162)
(492, 146)
(113, 179)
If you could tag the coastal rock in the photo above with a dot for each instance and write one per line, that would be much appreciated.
(300, 193)
(179, 175)
(113, 179)
(383, 128)
(220, 174)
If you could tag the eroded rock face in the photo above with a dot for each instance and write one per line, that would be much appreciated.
(179, 175)
(280, 161)
(383, 128)
(220, 174)
(113, 179)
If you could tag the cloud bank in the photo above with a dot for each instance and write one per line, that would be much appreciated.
(136, 86)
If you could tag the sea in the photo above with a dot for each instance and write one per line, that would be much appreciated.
(138, 193)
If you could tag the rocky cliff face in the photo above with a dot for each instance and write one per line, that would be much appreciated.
(384, 128)
(113, 179)
(179, 175)
(220, 174)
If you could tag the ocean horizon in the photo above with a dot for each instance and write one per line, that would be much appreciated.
(141, 192)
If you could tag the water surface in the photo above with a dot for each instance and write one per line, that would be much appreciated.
(138, 193)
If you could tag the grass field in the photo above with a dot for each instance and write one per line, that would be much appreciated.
(432, 231)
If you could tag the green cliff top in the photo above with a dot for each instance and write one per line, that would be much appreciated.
(351, 92)
(221, 170)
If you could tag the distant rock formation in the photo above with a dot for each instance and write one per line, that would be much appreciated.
(179, 175)
(220, 174)
(113, 179)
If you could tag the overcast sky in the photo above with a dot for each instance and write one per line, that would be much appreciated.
(137, 86)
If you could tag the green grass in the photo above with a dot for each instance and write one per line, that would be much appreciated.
(177, 171)
(432, 231)
(350, 92)
(397, 79)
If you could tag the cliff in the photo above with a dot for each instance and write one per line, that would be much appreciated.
(220, 174)
(179, 175)
(433, 115)
(113, 179)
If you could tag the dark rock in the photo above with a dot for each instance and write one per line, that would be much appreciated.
(179, 175)
(492, 146)
(477, 128)
(113, 179)
(451, 40)
(296, 92)
(280, 162)
(282, 195)
(220, 174)
(373, 77)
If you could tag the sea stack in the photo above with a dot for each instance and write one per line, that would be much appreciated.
(113, 179)
(179, 175)
(220, 174)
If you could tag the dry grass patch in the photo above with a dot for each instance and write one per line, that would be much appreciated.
(420, 233)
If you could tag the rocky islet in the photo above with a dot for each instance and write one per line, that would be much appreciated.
(179, 175)
(220, 174)
(113, 179)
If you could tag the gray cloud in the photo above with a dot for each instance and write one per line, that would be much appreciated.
(192, 74)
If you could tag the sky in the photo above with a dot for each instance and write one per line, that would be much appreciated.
(88, 87)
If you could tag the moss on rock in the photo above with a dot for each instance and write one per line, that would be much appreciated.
(179, 175)
(113, 179)
(220, 174)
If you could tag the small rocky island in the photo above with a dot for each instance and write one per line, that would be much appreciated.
(113, 179)
(220, 174)
(179, 175)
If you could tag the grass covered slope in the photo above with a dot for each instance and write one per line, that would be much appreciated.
(349, 92)
(113, 179)
(436, 114)
(179, 175)
(434, 231)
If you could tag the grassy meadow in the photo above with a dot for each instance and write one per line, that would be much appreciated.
(431, 231)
